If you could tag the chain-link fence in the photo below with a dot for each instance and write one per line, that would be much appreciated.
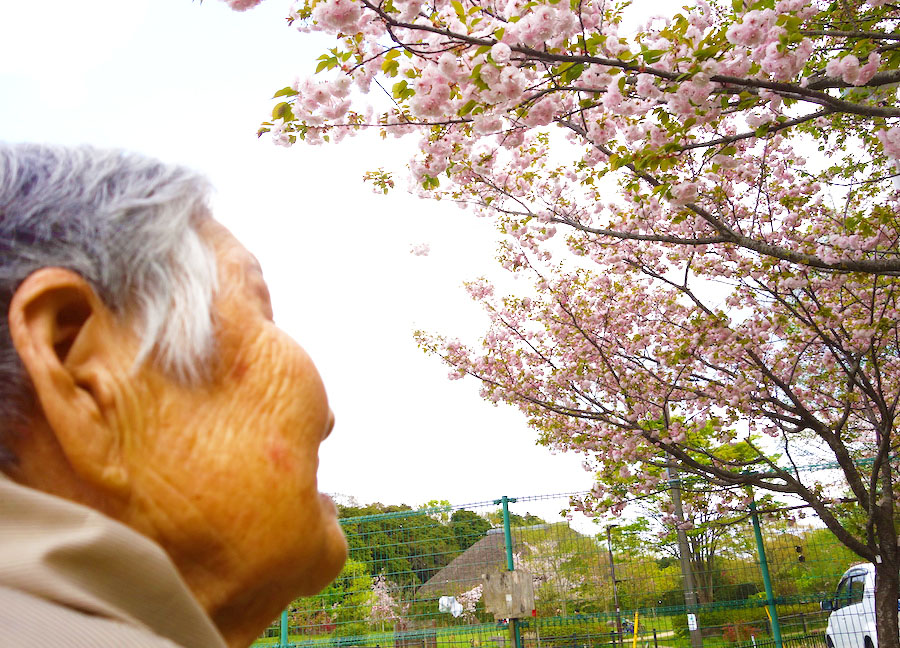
(414, 579)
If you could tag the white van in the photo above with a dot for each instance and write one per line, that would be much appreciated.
(851, 623)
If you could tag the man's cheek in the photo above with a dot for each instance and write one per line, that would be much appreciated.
(281, 456)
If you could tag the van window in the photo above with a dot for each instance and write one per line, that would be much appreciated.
(842, 595)
(850, 590)
(857, 588)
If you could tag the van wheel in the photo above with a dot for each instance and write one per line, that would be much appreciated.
(867, 643)
(829, 642)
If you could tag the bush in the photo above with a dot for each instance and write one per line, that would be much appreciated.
(734, 632)
(714, 622)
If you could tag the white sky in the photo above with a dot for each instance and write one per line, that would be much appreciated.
(190, 83)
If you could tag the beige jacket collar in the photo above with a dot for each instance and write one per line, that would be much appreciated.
(71, 555)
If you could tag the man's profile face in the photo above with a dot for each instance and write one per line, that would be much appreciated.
(232, 465)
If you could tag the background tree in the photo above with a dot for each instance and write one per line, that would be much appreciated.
(468, 528)
(344, 607)
(626, 372)
(515, 520)
(728, 171)
(405, 549)
(385, 606)
(558, 559)
(711, 517)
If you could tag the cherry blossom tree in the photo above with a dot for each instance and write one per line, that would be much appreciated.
(469, 600)
(384, 605)
(636, 369)
(704, 208)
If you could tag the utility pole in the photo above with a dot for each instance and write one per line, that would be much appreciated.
(615, 583)
(684, 556)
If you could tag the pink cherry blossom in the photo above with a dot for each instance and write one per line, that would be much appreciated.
(890, 140)
(501, 53)
(703, 209)
(242, 5)
(337, 15)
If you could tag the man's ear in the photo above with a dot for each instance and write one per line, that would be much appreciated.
(75, 353)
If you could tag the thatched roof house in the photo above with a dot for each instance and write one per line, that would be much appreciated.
(464, 572)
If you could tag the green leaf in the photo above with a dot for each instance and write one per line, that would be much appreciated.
(707, 52)
(458, 8)
(652, 56)
(283, 111)
(326, 63)
(287, 91)
(390, 67)
(476, 78)
(398, 89)
(572, 72)
(467, 108)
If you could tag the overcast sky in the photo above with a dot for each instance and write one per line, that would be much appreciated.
(190, 83)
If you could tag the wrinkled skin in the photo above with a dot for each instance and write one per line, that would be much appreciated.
(240, 458)
(222, 476)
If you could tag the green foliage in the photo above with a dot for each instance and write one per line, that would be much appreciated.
(571, 576)
(408, 550)
(343, 607)
(496, 519)
(468, 528)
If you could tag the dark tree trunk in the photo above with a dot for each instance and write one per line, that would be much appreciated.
(887, 569)
(886, 595)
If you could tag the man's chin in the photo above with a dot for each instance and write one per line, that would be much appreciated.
(329, 563)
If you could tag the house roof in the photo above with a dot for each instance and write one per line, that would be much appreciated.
(464, 572)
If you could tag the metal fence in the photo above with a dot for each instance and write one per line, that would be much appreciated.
(414, 579)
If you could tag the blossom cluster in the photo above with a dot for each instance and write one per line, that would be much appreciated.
(242, 5)
(890, 140)
(384, 606)
(849, 69)
(706, 208)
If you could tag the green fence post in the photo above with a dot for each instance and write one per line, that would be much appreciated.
(767, 582)
(283, 640)
(510, 565)
(504, 501)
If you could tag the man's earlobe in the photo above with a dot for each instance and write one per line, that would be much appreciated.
(71, 346)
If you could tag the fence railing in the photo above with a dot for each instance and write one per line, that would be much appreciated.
(414, 579)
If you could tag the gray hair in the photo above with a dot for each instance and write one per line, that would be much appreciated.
(125, 223)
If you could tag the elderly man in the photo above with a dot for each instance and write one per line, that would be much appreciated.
(159, 432)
